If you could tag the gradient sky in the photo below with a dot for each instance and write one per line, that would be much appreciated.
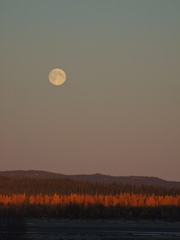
(118, 113)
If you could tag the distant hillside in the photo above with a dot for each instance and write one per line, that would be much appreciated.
(30, 174)
(136, 180)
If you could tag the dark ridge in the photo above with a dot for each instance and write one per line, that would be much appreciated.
(100, 178)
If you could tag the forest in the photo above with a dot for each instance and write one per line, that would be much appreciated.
(33, 197)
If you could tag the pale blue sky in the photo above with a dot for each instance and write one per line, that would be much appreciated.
(117, 113)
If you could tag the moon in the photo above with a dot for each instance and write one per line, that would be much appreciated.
(57, 76)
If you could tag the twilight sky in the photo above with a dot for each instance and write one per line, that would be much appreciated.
(118, 112)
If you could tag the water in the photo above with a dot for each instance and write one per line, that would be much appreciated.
(66, 229)
(101, 229)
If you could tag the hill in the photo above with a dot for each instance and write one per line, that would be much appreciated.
(134, 180)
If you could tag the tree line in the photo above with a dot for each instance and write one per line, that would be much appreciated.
(80, 199)
(122, 199)
(30, 186)
(79, 211)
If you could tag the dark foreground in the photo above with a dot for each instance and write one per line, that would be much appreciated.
(44, 229)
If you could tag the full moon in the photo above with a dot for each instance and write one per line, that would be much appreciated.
(57, 76)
